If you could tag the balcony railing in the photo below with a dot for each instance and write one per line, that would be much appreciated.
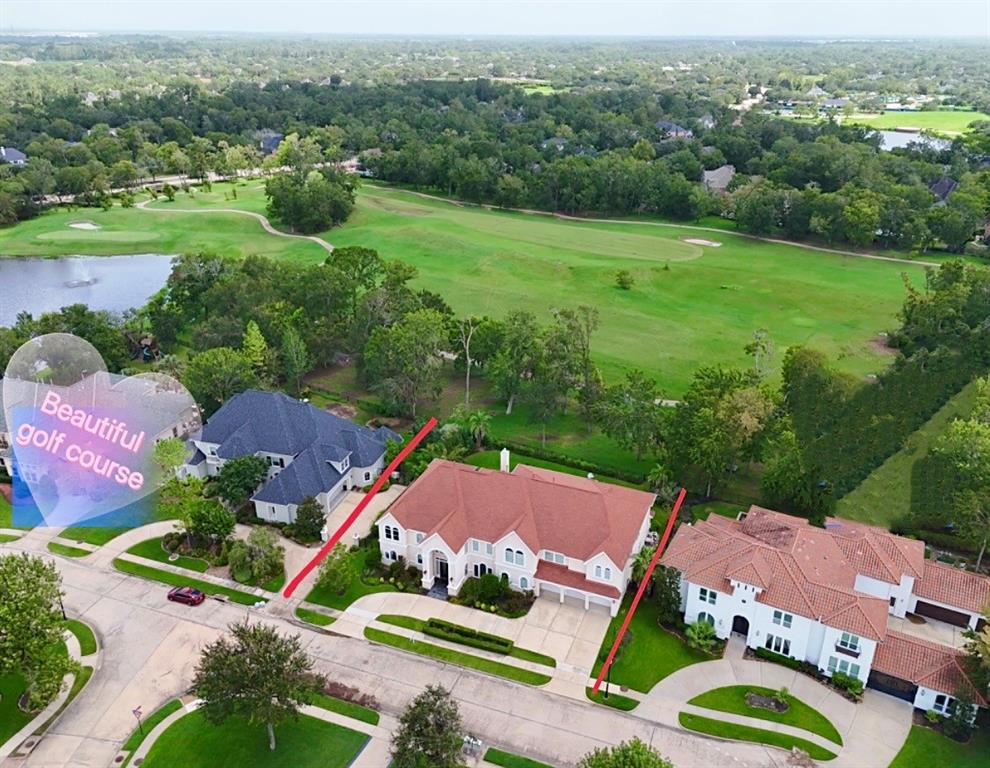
(854, 652)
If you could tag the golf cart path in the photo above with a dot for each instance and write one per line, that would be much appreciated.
(691, 227)
(265, 224)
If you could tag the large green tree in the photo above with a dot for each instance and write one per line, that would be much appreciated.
(966, 445)
(239, 478)
(629, 754)
(631, 413)
(430, 732)
(256, 674)
(216, 375)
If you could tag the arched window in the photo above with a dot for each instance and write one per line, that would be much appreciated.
(523, 582)
(508, 555)
(519, 557)
(706, 617)
(505, 578)
(608, 573)
(598, 571)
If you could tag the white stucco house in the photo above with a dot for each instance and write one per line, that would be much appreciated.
(309, 452)
(823, 596)
(554, 534)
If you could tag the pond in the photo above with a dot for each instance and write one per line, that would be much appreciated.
(115, 283)
(900, 139)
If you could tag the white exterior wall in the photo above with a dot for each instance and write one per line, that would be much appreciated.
(867, 648)
(799, 633)
(900, 592)
(617, 576)
(925, 699)
(515, 572)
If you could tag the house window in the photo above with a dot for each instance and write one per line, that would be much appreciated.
(783, 619)
(391, 533)
(707, 595)
(509, 557)
(893, 602)
(849, 641)
(523, 583)
(419, 559)
(706, 617)
(598, 571)
(944, 704)
(843, 665)
(367, 476)
(489, 549)
(553, 557)
(480, 569)
(608, 573)
(778, 645)
(475, 545)
(419, 537)
(391, 555)
(519, 558)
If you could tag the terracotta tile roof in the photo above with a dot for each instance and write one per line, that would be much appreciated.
(930, 665)
(953, 586)
(799, 568)
(572, 515)
(877, 552)
(561, 574)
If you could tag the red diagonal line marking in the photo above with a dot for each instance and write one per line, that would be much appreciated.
(338, 534)
(640, 591)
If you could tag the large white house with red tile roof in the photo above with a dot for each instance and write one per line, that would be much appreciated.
(547, 532)
(824, 596)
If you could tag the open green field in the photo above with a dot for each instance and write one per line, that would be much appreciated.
(942, 121)
(690, 305)
(301, 743)
(885, 494)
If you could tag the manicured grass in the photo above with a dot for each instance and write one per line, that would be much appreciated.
(614, 700)
(152, 550)
(651, 654)
(885, 494)
(746, 733)
(723, 508)
(12, 719)
(191, 742)
(314, 617)
(5, 538)
(66, 550)
(85, 636)
(944, 120)
(927, 747)
(181, 580)
(345, 708)
(417, 625)
(148, 724)
(7, 515)
(456, 657)
(100, 530)
(732, 699)
(701, 310)
(357, 588)
(491, 460)
(509, 760)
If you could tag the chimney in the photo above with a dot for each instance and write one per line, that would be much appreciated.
(504, 460)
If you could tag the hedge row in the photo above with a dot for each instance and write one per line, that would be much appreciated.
(455, 633)
(538, 452)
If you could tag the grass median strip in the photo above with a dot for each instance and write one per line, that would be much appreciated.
(85, 636)
(152, 549)
(66, 551)
(314, 617)
(5, 538)
(614, 700)
(181, 580)
(345, 708)
(746, 733)
(509, 760)
(456, 657)
(420, 625)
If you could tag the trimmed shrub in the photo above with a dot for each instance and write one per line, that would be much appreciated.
(778, 658)
(847, 683)
(456, 633)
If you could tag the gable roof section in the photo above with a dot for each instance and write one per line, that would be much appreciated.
(798, 567)
(547, 510)
(876, 552)
(953, 586)
(924, 663)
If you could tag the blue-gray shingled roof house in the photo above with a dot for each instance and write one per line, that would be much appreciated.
(310, 452)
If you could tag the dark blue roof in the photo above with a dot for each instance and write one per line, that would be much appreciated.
(272, 422)
(11, 155)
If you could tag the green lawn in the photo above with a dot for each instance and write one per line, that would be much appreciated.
(758, 735)
(357, 588)
(701, 310)
(885, 494)
(346, 708)
(152, 550)
(191, 742)
(732, 699)
(650, 655)
(723, 508)
(456, 657)
(613, 700)
(12, 719)
(85, 636)
(148, 724)
(491, 460)
(66, 550)
(102, 529)
(418, 625)
(942, 121)
(314, 617)
(7, 515)
(181, 580)
(6, 538)
(509, 760)
(926, 747)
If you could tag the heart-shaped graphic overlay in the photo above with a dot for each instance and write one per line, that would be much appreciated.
(83, 439)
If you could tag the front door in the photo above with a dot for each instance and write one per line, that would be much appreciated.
(442, 571)
(740, 625)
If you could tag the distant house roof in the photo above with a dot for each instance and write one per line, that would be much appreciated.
(816, 91)
(11, 155)
(924, 663)
(575, 516)
(268, 141)
(943, 187)
(272, 422)
(719, 178)
(673, 129)
(557, 142)
(798, 567)
(835, 103)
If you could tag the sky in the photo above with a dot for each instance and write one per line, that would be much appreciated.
(408, 18)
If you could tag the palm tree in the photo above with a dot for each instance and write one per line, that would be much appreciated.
(640, 563)
(477, 423)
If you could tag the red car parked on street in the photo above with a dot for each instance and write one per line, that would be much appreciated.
(186, 595)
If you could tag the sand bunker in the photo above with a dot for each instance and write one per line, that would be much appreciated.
(699, 241)
(87, 225)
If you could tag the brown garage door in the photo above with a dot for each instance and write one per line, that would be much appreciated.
(947, 615)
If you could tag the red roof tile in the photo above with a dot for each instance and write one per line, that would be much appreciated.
(924, 663)
(575, 516)
(561, 574)
(953, 586)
